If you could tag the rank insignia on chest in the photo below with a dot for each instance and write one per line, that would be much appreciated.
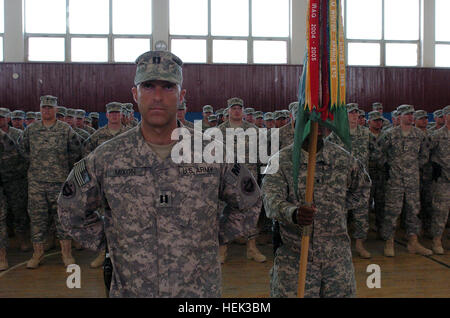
(165, 199)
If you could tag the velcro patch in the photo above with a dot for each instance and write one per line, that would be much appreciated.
(68, 190)
(129, 172)
(196, 170)
(80, 173)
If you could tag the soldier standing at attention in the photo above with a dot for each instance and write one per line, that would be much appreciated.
(268, 121)
(341, 184)
(438, 116)
(79, 121)
(440, 158)
(362, 142)
(404, 150)
(236, 111)
(30, 118)
(212, 120)
(181, 115)
(12, 132)
(362, 118)
(71, 115)
(287, 131)
(162, 223)
(51, 148)
(94, 117)
(207, 111)
(17, 119)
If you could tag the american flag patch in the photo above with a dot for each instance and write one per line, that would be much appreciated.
(81, 175)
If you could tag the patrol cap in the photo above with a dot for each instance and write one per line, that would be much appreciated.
(219, 112)
(208, 109)
(49, 100)
(268, 116)
(38, 116)
(286, 113)
(259, 114)
(405, 109)
(181, 106)
(61, 110)
(4, 112)
(88, 119)
(446, 110)
(235, 101)
(79, 113)
(94, 115)
(351, 107)
(212, 118)
(114, 107)
(249, 111)
(395, 114)
(71, 112)
(30, 115)
(18, 114)
(375, 115)
(418, 114)
(438, 113)
(159, 65)
(377, 106)
(129, 107)
(362, 113)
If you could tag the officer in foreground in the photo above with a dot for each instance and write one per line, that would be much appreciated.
(161, 222)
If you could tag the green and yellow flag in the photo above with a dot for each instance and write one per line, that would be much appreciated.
(322, 84)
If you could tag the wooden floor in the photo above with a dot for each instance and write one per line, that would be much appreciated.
(405, 275)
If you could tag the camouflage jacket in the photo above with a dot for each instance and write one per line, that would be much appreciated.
(341, 184)
(89, 129)
(12, 165)
(188, 124)
(15, 134)
(363, 141)
(100, 136)
(405, 155)
(50, 151)
(440, 152)
(83, 133)
(161, 219)
(286, 135)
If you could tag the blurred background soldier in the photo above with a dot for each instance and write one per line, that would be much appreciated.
(38, 116)
(219, 114)
(395, 119)
(362, 118)
(259, 119)
(17, 119)
(61, 113)
(440, 158)
(212, 121)
(287, 117)
(181, 115)
(404, 150)
(94, 117)
(279, 118)
(12, 132)
(51, 148)
(207, 111)
(71, 119)
(344, 185)
(225, 115)
(248, 115)
(30, 117)
(79, 120)
(268, 120)
(438, 116)
(287, 131)
(88, 123)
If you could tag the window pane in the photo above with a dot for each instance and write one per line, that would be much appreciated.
(89, 50)
(399, 54)
(181, 17)
(37, 16)
(270, 52)
(127, 50)
(46, 49)
(229, 51)
(89, 17)
(442, 55)
(128, 20)
(364, 19)
(269, 19)
(229, 17)
(1, 49)
(363, 54)
(189, 51)
(2, 17)
(442, 20)
(401, 19)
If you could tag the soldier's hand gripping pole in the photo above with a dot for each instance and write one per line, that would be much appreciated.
(312, 151)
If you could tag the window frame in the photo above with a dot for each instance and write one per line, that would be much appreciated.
(383, 41)
(250, 39)
(68, 37)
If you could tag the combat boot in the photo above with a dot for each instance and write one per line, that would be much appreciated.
(222, 253)
(66, 251)
(253, 253)
(23, 241)
(414, 247)
(437, 246)
(363, 253)
(389, 248)
(99, 260)
(37, 257)
(3, 261)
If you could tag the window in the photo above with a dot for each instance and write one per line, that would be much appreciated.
(87, 30)
(442, 47)
(2, 27)
(230, 31)
(383, 32)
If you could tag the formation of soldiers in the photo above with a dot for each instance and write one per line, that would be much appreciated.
(167, 224)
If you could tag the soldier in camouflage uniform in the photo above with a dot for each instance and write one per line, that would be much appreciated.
(162, 222)
(219, 114)
(268, 120)
(236, 108)
(17, 119)
(212, 120)
(438, 116)
(71, 117)
(248, 115)
(61, 112)
(259, 119)
(94, 116)
(30, 117)
(11, 166)
(362, 143)
(51, 147)
(287, 131)
(207, 111)
(440, 158)
(341, 183)
(79, 121)
(181, 115)
(12, 132)
(362, 118)
(403, 150)
(132, 122)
